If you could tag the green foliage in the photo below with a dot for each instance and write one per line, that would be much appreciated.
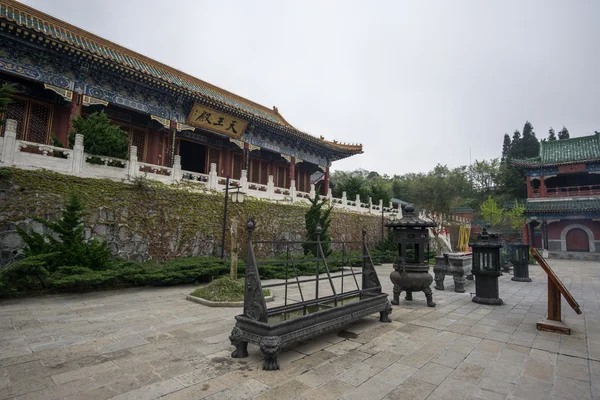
(55, 141)
(66, 241)
(100, 137)
(7, 90)
(5, 173)
(551, 135)
(363, 183)
(33, 274)
(484, 174)
(515, 216)
(490, 212)
(224, 289)
(505, 147)
(318, 215)
(563, 134)
(141, 182)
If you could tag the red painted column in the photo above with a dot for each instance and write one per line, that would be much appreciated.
(529, 189)
(542, 186)
(293, 170)
(326, 183)
(74, 111)
(246, 161)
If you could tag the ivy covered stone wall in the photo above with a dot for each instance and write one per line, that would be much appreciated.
(154, 221)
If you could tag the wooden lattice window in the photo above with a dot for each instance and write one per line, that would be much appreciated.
(138, 137)
(214, 157)
(34, 119)
(238, 160)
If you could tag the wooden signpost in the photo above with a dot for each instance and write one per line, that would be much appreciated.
(555, 289)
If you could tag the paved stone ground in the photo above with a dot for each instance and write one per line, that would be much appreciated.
(151, 343)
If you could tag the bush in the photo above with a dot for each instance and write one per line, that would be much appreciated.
(100, 137)
(5, 173)
(70, 248)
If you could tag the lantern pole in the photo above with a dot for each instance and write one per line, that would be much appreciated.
(224, 217)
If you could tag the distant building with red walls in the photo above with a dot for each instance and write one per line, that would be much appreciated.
(563, 197)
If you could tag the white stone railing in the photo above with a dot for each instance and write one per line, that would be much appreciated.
(28, 155)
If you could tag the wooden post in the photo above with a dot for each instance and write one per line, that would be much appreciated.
(554, 304)
(326, 183)
(555, 289)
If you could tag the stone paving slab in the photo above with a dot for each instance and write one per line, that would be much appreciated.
(147, 343)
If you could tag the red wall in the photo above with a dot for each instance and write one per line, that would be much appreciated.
(555, 228)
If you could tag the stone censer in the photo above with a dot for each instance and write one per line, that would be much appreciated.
(411, 270)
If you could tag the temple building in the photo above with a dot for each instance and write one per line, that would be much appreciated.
(62, 71)
(563, 190)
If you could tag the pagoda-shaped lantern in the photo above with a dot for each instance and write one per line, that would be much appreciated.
(486, 268)
(411, 270)
(519, 257)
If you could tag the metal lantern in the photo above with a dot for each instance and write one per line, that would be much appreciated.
(487, 268)
(237, 196)
(520, 261)
(411, 270)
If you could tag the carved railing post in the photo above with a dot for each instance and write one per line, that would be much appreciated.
(9, 147)
(212, 177)
(244, 181)
(357, 203)
(293, 190)
(270, 187)
(312, 191)
(344, 201)
(78, 155)
(380, 206)
(176, 174)
(133, 162)
(370, 205)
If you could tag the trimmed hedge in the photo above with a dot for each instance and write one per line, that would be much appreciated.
(31, 276)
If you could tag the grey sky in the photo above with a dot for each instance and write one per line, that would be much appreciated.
(416, 82)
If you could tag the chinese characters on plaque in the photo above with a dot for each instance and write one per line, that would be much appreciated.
(217, 121)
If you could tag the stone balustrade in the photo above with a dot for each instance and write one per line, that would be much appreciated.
(28, 155)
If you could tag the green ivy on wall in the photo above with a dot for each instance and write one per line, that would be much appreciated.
(172, 219)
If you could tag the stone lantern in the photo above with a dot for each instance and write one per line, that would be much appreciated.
(486, 268)
(519, 257)
(411, 270)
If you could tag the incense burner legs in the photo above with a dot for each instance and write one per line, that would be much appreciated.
(412, 281)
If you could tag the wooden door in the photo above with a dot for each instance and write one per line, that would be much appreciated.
(577, 240)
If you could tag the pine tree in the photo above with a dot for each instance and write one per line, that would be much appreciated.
(529, 146)
(7, 90)
(563, 134)
(67, 241)
(505, 147)
(551, 135)
(318, 215)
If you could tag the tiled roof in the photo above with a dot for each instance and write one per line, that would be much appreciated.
(566, 151)
(89, 43)
(562, 206)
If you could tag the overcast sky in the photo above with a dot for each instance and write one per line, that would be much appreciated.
(417, 83)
